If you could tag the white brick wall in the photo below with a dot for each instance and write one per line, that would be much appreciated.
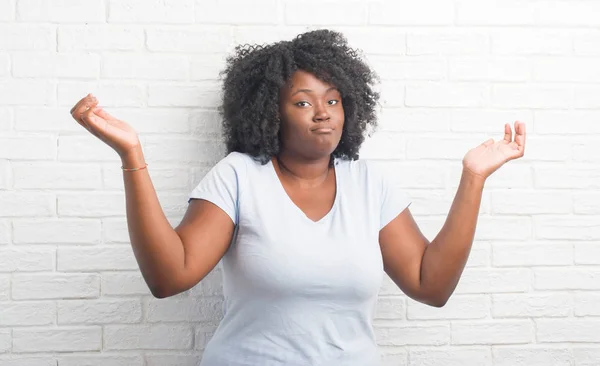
(453, 71)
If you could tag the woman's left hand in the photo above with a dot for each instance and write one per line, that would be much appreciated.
(486, 158)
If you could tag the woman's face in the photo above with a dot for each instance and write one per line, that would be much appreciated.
(312, 116)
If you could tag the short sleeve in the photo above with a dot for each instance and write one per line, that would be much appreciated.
(221, 185)
(393, 199)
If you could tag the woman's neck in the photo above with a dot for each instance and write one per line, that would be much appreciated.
(308, 173)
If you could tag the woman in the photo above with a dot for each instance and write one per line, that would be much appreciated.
(303, 227)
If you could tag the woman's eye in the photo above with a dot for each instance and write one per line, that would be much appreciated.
(302, 104)
(333, 102)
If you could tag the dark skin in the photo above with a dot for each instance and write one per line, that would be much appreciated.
(174, 260)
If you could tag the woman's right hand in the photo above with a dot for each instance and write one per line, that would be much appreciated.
(113, 132)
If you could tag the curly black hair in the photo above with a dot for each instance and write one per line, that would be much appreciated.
(254, 75)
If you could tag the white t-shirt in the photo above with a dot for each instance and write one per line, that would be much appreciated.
(299, 292)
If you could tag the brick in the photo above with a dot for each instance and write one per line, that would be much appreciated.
(392, 94)
(446, 95)
(512, 176)
(586, 203)
(85, 148)
(383, 146)
(570, 177)
(5, 340)
(210, 285)
(567, 279)
(584, 70)
(108, 94)
(26, 92)
(95, 259)
(301, 13)
(4, 288)
(567, 228)
(458, 307)
(4, 65)
(99, 311)
(6, 118)
(495, 13)
(492, 332)
(414, 120)
(13, 204)
(586, 304)
(202, 336)
(25, 313)
(154, 67)
(430, 202)
(184, 310)
(7, 10)
(66, 11)
(408, 68)
(422, 174)
(389, 41)
(480, 255)
(393, 308)
(488, 69)
(140, 11)
(531, 305)
(154, 120)
(408, 13)
(531, 202)
(55, 286)
(484, 281)
(182, 150)
(26, 260)
(137, 337)
(585, 151)
(236, 12)
(412, 335)
(585, 96)
(446, 148)
(530, 42)
(55, 120)
(205, 123)
(202, 94)
(532, 254)
(172, 360)
(532, 355)
(530, 96)
(27, 37)
(587, 253)
(503, 228)
(31, 147)
(567, 330)
(257, 34)
(455, 356)
(204, 40)
(587, 44)
(74, 339)
(446, 43)
(92, 37)
(568, 13)
(207, 67)
(13, 360)
(5, 177)
(5, 232)
(124, 284)
(162, 179)
(91, 204)
(100, 360)
(51, 65)
(579, 122)
(115, 231)
(586, 356)
(56, 231)
(55, 176)
(544, 149)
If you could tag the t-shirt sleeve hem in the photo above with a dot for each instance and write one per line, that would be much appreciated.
(387, 217)
(214, 199)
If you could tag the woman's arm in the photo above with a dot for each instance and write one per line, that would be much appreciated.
(429, 272)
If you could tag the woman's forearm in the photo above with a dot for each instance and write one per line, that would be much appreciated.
(446, 256)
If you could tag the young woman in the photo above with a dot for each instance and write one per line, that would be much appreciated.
(304, 229)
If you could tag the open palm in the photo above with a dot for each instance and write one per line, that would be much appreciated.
(486, 158)
(112, 131)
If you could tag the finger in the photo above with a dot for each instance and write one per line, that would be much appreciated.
(520, 136)
(93, 122)
(103, 114)
(88, 98)
(488, 143)
(87, 103)
(507, 133)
